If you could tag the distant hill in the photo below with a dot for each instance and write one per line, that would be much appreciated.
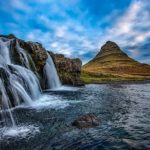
(112, 64)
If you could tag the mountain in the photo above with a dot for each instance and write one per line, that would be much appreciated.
(112, 64)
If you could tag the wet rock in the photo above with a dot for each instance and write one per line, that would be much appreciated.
(9, 36)
(86, 121)
(37, 52)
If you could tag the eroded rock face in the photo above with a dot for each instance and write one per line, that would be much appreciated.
(69, 70)
(86, 121)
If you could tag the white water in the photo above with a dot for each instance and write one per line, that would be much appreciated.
(64, 88)
(19, 85)
(4, 51)
(52, 78)
(23, 56)
(19, 131)
(5, 104)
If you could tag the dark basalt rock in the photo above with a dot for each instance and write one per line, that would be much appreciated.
(86, 121)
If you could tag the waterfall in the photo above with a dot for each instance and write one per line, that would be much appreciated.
(23, 56)
(4, 51)
(18, 83)
(5, 106)
(51, 75)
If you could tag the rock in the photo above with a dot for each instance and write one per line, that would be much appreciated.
(9, 36)
(86, 121)
(69, 70)
(37, 52)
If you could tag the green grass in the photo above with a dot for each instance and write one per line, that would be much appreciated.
(88, 78)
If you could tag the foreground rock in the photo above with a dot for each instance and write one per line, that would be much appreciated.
(86, 121)
(69, 70)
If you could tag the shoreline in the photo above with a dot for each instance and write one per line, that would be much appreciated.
(121, 82)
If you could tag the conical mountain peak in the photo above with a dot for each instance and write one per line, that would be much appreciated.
(110, 48)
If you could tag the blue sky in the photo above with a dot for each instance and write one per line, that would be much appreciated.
(78, 28)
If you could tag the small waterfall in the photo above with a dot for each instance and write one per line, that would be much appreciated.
(4, 51)
(51, 75)
(23, 56)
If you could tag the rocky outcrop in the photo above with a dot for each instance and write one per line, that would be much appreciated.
(69, 70)
(37, 52)
(86, 121)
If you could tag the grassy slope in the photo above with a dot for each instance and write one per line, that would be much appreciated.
(114, 68)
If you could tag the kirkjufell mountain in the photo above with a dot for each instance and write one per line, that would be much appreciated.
(112, 64)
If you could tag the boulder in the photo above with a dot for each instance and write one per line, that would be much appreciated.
(86, 121)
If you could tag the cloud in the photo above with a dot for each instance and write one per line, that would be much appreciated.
(60, 31)
(54, 45)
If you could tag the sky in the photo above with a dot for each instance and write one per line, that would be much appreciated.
(78, 28)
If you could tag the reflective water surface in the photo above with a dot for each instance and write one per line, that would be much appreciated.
(123, 110)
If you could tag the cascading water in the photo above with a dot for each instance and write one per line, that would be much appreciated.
(51, 75)
(6, 102)
(23, 56)
(18, 83)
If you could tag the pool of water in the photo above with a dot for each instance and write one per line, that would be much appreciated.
(123, 110)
